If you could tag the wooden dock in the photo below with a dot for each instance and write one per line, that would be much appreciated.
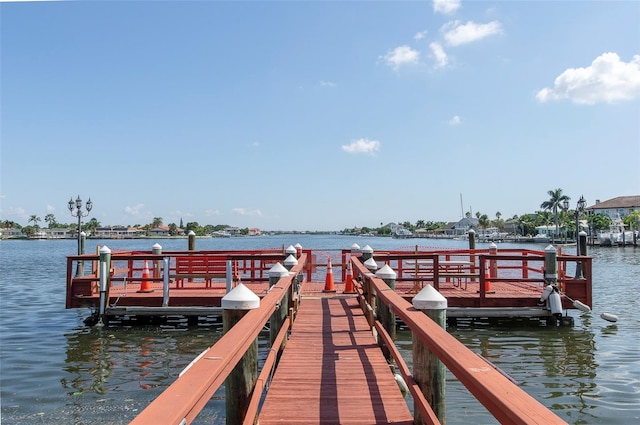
(326, 365)
(333, 371)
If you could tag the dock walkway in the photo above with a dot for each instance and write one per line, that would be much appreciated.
(333, 371)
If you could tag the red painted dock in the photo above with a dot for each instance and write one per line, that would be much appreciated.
(333, 371)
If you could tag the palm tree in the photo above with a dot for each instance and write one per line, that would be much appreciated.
(50, 219)
(157, 222)
(556, 198)
(35, 219)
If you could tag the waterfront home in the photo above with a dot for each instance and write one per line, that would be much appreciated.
(621, 206)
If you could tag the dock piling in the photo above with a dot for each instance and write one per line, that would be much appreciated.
(105, 262)
(241, 381)
(428, 371)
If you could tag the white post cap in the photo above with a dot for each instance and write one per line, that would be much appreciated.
(429, 299)
(291, 260)
(278, 270)
(386, 272)
(240, 298)
(367, 249)
(105, 250)
(371, 264)
(291, 249)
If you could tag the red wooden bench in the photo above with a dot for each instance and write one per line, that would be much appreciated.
(199, 267)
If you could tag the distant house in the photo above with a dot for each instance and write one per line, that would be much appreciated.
(462, 226)
(254, 231)
(59, 233)
(8, 233)
(161, 230)
(117, 232)
(622, 206)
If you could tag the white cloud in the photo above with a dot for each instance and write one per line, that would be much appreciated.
(438, 52)
(456, 33)
(456, 120)
(362, 146)
(135, 210)
(446, 7)
(607, 79)
(212, 213)
(50, 208)
(401, 55)
(327, 84)
(246, 212)
(420, 35)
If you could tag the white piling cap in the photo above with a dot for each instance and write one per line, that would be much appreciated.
(105, 250)
(429, 299)
(290, 260)
(493, 245)
(371, 264)
(156, 246)
(290, 249)
(355, 247)
(297, 246)
(386, 272)
(278, 270)
(191, 233)
(550, 248)
(240, 298)
(472, 231)
(367, 249)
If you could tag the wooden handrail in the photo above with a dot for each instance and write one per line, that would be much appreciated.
(188, 394)
(507, 402)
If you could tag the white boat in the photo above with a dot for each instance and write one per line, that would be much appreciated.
(616, 235)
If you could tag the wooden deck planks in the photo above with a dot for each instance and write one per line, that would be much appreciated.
(332, 371)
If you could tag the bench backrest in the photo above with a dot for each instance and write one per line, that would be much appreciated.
(201, 265)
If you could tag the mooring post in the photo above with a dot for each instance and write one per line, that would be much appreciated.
(550, 265)
(493, 263)
(472, 239)
(385, 314)
(278, 316)
(81, 241)
(242, 379)
(581, 251)
(291, 250)
(165, 282)
(105, 265)
(367, 253)
(428, 371)
(156, 249)
(472, 256)
(191, 241)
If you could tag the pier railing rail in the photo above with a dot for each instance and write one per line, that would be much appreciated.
(182, 401)
(504, 399)
(127, 268)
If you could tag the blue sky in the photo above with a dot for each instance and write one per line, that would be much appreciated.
(315, 115)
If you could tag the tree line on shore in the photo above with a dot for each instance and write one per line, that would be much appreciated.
(553, 212)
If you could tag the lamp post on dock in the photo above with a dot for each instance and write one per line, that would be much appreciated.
(75, 208)
(579, 209)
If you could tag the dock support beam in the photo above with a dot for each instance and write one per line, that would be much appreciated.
(428, 371)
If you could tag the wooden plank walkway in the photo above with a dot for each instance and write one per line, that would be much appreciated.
(332, 371)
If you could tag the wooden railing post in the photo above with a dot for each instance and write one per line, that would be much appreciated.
(428, 371)
(241, 381)
(385, 315)
(277, 319)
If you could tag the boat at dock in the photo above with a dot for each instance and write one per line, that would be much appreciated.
(616, 235)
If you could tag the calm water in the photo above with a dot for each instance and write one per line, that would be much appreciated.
(55, 370)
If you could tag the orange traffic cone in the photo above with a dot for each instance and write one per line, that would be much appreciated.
(348, 285)
(328, 281)
(145, 285)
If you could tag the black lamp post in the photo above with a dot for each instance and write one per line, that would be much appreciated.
(75, 208)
